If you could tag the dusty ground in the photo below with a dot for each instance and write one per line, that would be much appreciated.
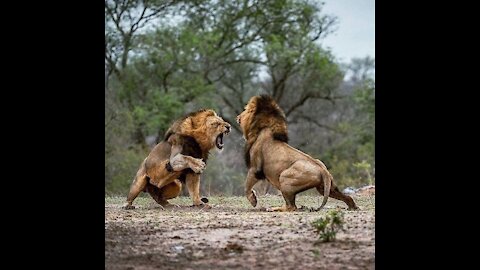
(234, 235)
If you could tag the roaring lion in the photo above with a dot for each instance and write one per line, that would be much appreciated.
(268, 156)
(179, 158)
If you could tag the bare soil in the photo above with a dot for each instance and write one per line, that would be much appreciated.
(234, 235)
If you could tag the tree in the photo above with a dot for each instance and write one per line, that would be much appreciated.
(123, 19)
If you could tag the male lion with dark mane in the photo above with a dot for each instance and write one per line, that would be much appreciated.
(179, 158)
(268, 156)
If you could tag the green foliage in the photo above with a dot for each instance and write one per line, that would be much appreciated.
(122, 156)
(352, 157)
(365, 167)
(220, 179)
(157, 114)
(121, 168)
(328, 226)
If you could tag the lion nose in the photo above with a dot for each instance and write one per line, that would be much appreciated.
(229, 127)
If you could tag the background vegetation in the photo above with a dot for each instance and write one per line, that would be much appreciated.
(166, 58)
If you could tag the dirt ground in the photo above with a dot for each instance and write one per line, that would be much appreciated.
(234, 235)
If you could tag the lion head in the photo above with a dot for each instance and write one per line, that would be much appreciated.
(262, 112)
(205, 126)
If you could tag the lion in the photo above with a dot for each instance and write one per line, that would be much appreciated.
(269, 156)
(180, 158)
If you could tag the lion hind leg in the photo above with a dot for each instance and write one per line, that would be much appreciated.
(337, 194)
(162, 195)
(289, 204)
(297, 178)
(171, 190)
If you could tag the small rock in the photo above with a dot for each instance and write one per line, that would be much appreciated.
(178, 249)
(235, 247)
(349, 190)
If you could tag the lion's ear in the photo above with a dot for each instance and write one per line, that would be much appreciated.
(172, 139)
(175, 139)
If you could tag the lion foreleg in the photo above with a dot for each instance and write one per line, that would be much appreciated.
(249, 183)
(171, 169)
(193, 186)
(180, 162)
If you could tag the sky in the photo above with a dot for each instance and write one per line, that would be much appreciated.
(355, 34)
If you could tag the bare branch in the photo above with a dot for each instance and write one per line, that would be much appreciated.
(112, 117)
(115, 19)
(165, 78)
(134, 26)
(324, 27)
(254, 61)
(297, 104)
(229, 104)
(231, 87)
(244, 40)
(111, 62)
(314, 121)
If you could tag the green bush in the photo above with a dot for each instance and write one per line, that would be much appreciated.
(121, 168)
(327, 227)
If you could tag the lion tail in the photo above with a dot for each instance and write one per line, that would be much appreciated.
(327, 184)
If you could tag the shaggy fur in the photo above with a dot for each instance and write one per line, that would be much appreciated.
(268, 155)
(264, 113)
(179, 158)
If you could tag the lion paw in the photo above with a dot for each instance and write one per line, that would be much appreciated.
(168, 205)
(281, 209)
(252, 198)
(128, 206)
(201, 205)
(197, 165)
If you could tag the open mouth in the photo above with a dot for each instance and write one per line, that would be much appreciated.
(219, 141)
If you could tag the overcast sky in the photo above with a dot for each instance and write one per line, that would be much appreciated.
(355, 35)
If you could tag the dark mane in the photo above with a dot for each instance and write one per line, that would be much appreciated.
(267, 115)
(267, 106)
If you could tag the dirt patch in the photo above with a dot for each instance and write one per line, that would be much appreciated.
(234, 235)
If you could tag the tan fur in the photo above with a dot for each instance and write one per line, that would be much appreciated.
(268, 155)
(184, 150)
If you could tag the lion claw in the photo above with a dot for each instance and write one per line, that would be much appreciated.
(199, 166)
